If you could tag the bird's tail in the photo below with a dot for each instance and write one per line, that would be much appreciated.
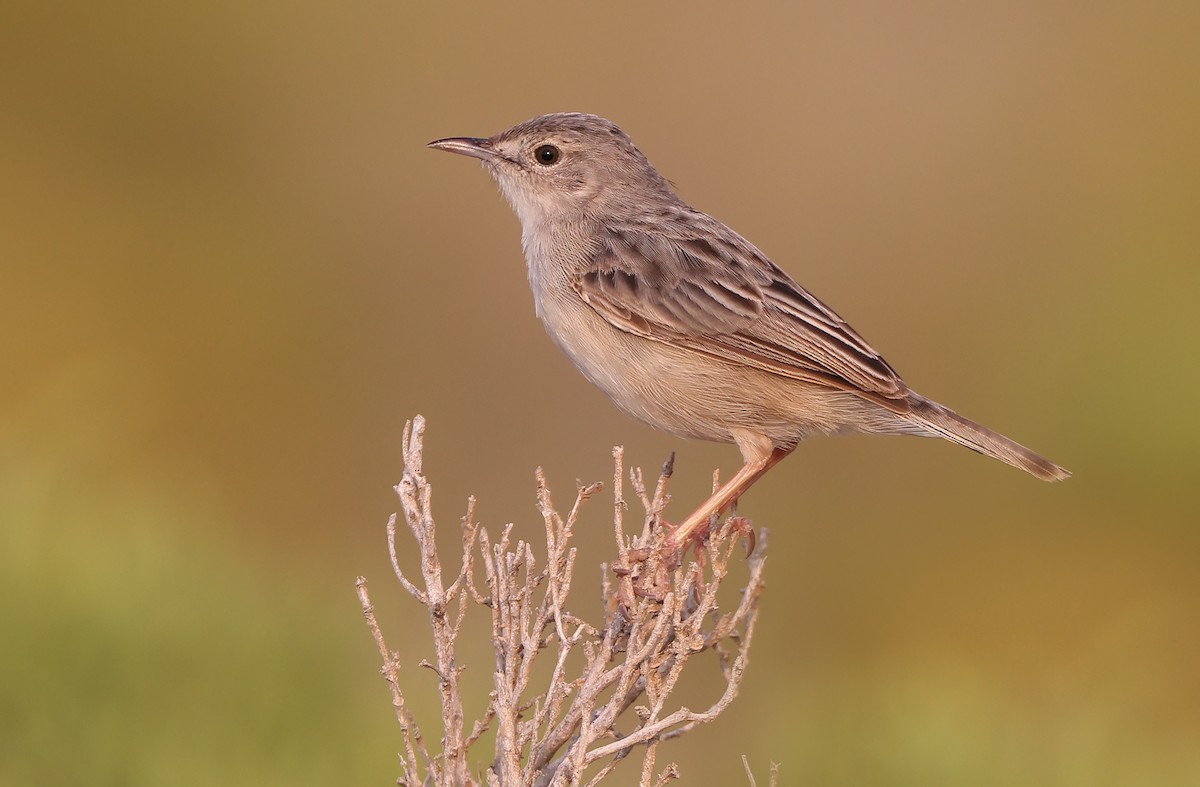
(944, 422)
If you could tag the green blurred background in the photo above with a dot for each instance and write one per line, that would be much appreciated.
(231, 271)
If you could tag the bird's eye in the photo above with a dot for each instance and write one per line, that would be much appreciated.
(546, 155)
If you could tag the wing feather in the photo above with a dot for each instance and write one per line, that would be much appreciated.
(715, 293)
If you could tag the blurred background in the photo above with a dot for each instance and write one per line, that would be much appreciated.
(231, 271)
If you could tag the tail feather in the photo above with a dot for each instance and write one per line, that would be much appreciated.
(944, 422)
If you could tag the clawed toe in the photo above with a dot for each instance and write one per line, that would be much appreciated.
(672, 549)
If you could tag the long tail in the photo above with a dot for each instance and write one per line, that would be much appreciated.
(946, 423)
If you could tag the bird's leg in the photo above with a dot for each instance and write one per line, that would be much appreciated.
(757, 463)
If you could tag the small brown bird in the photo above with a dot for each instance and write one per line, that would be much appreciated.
(683, 322)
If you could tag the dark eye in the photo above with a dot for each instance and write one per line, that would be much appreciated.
(546, 155)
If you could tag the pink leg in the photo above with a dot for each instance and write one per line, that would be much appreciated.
(757, 462)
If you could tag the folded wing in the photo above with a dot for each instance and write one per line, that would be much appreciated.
(717, 294)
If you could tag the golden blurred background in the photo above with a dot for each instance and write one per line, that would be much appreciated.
(231, 271)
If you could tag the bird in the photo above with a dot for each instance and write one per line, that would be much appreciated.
(686, 325)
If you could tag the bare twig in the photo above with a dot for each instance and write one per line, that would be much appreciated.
(659, 614)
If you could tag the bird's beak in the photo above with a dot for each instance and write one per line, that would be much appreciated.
(474, 147)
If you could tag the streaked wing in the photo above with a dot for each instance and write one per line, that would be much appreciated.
(715, 293)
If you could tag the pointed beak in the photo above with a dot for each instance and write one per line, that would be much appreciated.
(474, 147)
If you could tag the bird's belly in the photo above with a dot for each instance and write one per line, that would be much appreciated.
(687, 393)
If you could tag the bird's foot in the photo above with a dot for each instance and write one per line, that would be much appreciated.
(645, 569)
(672, 549)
